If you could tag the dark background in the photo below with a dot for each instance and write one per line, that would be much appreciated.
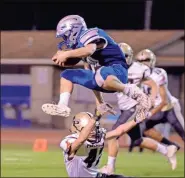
(107, 15)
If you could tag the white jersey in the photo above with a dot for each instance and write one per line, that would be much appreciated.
(159, 75)
(86, 159)
(136, 73)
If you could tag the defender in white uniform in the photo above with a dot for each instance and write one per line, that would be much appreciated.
(83, 148)
(170, 112)
(138, 73)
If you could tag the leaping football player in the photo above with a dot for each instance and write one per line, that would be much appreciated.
(109, 78)
(170, 112)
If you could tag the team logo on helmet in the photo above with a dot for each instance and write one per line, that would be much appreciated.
(69, 29)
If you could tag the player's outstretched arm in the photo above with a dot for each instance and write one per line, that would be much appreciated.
(122, 129)
(98, 97)
(82, 137)
(163, 95)
(154, 89)
(62, 56)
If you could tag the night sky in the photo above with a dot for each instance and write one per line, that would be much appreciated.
(111, 15)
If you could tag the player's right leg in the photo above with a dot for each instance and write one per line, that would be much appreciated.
(114, 78)
(178, 113)
(69, 77)
(168, 151)
(113, 145)
(172, 118)
(99, 82)
(154, 134)
(149, 131)
(136, 135)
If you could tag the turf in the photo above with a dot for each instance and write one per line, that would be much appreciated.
(19, 162)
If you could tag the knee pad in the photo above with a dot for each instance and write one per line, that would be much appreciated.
(137, 142)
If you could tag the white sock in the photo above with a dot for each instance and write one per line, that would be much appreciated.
(64, 98)
(111, 161)
(161, 149)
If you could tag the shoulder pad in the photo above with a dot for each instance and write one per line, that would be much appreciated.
(89, 36)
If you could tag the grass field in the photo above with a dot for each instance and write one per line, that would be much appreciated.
(23, 162)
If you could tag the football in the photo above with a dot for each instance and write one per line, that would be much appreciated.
(72, 61)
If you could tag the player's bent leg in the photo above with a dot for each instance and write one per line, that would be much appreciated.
(148, 143)
(177, 110)
(136, 135)
(114, 78)
(169, 151)
(61, 109)
(154, 134)
(68, 78)
(172, 119)
(149, 131)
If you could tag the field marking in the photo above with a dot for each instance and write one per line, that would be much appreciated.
(17, 158)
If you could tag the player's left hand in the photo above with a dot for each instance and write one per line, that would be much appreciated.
(60, 57)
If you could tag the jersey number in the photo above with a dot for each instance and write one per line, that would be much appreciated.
(92, 157)
(134, 81)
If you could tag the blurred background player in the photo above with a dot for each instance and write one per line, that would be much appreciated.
(138, 73)
(163, 111)
(110, 77)
(170, 111)
(83, 148)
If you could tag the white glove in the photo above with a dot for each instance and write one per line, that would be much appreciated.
(136, 93)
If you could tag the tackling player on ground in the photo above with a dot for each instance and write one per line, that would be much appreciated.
(170, 112)
(83, 148)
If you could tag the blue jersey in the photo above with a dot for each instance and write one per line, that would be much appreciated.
(107, 55)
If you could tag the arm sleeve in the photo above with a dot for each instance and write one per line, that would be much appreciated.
(92, 36)
(66, 144)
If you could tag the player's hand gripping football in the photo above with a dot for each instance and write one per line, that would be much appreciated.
(60, 57)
